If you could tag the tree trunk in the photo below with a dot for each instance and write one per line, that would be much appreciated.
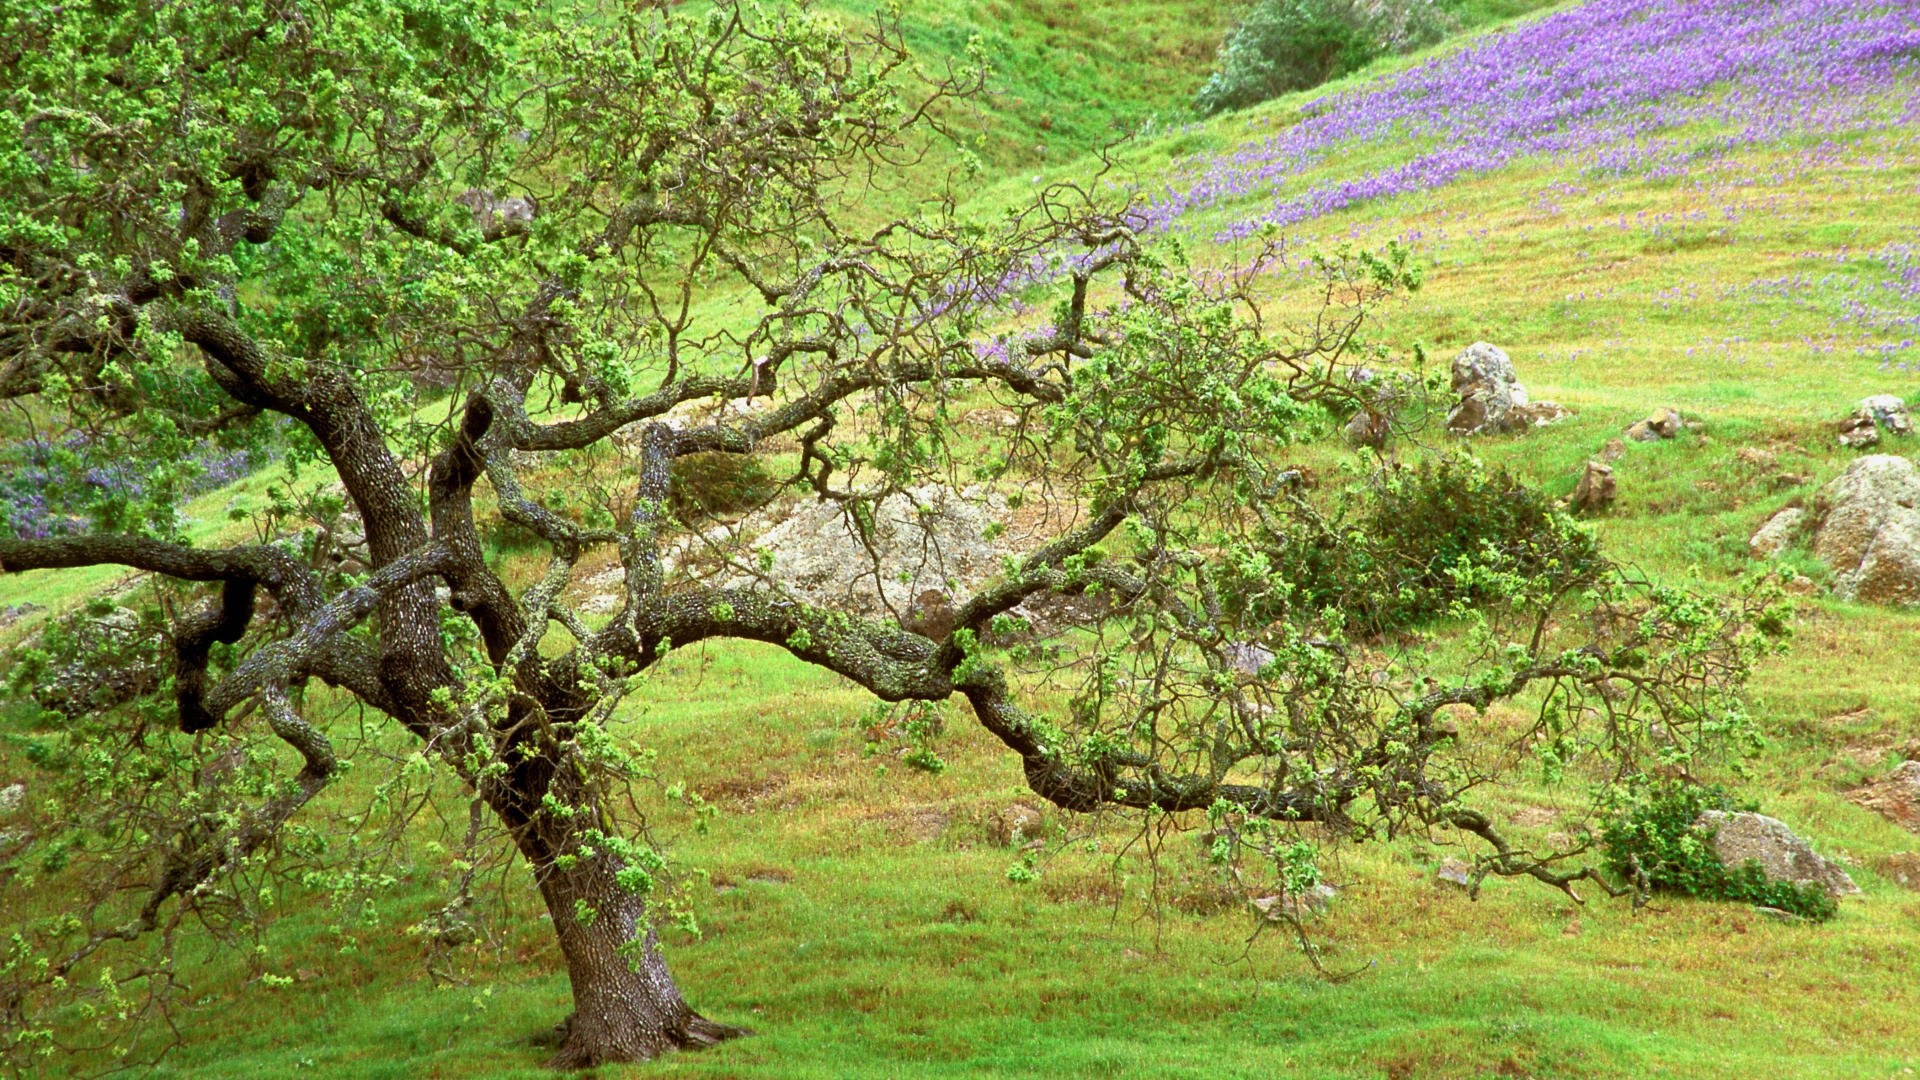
(625, 1004)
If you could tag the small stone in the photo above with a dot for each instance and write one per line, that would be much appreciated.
(1015, 825)
(1756, 457)
(13, 613)
(1660, 424)
(1595, 491)
(12, 797)
(1369, 428)
(1613, 451)
(1454, 872)
(1777, 534)
(1859, 432)
(1536, 414)
(1313, 901)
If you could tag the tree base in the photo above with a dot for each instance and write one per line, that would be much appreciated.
(585, 1046)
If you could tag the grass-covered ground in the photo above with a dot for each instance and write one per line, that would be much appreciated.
(858, 914)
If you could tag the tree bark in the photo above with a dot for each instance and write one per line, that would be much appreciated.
(626, 1006)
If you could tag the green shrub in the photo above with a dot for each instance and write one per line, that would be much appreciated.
(1419, 541)
(1657, 845)
(1284, 45)
(717, 483)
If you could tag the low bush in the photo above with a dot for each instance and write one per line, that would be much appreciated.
(1417, 543)
(714, 483)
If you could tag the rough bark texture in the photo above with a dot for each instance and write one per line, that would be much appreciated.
(626, 1006)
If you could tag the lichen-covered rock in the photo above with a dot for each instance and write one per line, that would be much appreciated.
(498, 215)
(1868, 530)
(1246, 658)
(1887, 412)
(1742, 837)
(1778, 533)
(928, 539)
(1369, 427)
(1660, 424)
(1902, 868)
(926, 549)
(1491, 398)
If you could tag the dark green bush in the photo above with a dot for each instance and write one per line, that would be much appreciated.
(1418, 541)
(1284, 45)
(1657, 844)
(715, 483)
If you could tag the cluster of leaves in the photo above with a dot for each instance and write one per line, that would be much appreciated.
(1283, 45)
(1659, 844)
(1418, 543)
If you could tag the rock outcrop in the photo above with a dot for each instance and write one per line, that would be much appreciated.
(1895, 796)
(1742, 837)
(1492, 401)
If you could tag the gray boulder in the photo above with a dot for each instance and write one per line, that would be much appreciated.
(1740, 837)
(1887, 412)
(1369, 427)
(1869, 530)
(1246, 658)
(1492, 401)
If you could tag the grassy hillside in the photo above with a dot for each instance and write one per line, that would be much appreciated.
(1736, 242)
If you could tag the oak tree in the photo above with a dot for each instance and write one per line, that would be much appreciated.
(476, 281)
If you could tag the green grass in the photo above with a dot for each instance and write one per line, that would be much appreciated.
(866, 926)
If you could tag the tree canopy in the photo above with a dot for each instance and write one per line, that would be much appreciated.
(475, 276)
